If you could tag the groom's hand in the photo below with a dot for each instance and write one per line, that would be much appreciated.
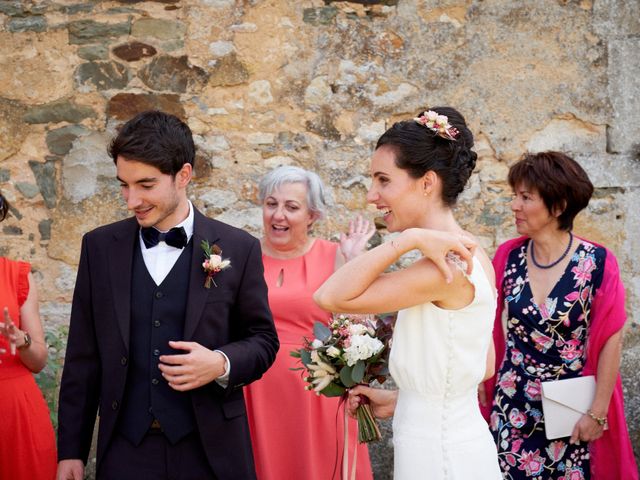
(192, 369)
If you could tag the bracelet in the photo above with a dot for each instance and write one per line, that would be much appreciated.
(602, 421)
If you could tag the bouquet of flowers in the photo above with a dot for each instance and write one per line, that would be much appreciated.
(349, 350)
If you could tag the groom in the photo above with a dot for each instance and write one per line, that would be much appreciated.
(160, 356)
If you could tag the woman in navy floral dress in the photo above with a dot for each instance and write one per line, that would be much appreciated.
(544, 342)
(552, 325)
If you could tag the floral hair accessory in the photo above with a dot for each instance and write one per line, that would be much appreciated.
(437, 123)
(213, 262)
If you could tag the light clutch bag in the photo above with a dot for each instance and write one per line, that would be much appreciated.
(564, 402)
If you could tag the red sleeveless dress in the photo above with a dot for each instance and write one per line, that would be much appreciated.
(27, 442)
(295, 433)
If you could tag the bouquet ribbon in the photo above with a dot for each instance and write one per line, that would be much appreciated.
(345, 454)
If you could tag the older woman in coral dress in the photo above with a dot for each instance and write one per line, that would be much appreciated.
(27, 444)
(296, 434)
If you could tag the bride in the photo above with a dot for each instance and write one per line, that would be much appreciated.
(442, 340)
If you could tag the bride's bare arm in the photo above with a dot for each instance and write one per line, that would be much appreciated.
(361, 286)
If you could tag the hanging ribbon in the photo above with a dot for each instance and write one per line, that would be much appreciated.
(345, 446)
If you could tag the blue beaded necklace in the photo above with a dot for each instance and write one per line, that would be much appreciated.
(552, 264)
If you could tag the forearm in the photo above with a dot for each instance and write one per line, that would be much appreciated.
(353, 278)
(34, 357)
(607, 373)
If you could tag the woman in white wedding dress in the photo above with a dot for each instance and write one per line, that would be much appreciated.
(441, 346)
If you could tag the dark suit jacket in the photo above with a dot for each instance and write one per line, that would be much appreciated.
(233, 317)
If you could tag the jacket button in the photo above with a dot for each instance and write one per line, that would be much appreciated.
(123, 361)
(156, 323)
(158, 294)
(156, 352)
(154, 381)
(114, 405)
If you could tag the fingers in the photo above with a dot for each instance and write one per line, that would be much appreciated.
(465, 250)
(179, 369)
(182, 345)
(173, 359)
(9, 331)
(361, 226)
(444, 267)
(359, 390)
(575, 435)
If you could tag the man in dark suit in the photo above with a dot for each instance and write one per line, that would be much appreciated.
(157, 353)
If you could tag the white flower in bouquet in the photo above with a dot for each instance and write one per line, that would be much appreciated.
(333, 352)
(316, 343)
(357, 329)
(361, 347)
(322, 373)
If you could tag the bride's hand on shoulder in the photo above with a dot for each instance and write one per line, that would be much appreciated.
(383, 402)
(435, 244)
(354, 242)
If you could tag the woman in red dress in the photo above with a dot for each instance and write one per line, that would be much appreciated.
(296, 434)
(27, 443)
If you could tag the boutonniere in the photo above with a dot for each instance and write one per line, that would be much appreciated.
(213, 262)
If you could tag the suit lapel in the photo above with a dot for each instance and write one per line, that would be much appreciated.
(197, 296)
(120, 264)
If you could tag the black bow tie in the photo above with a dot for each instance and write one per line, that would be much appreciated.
(176, 237)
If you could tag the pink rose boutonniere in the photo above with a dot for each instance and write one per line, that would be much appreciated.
(213, 262)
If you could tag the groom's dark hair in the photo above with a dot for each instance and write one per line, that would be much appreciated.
(157, 139)
(4, 207)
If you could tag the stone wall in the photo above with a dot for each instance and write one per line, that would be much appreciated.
(312, 83)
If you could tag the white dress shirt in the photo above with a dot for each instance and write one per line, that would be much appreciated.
(159, 261)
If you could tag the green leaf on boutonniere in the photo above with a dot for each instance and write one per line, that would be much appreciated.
(321, 331)
(206, 248)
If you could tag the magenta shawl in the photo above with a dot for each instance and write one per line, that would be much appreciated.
(611, 455)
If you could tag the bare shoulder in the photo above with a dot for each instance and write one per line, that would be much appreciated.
(484, 259)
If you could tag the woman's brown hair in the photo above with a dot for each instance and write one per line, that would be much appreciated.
(559, 180)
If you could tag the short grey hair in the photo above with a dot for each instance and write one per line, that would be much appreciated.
(289, 174)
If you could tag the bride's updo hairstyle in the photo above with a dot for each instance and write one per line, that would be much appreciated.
(426, 143)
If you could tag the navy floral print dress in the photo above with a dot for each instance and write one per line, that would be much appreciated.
(543, 342)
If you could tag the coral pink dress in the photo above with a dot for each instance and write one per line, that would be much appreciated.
(27, 443)
(295, 433)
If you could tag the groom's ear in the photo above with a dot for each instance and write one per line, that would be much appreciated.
(184, 175)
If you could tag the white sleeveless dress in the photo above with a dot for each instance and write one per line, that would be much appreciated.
(438, 358)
